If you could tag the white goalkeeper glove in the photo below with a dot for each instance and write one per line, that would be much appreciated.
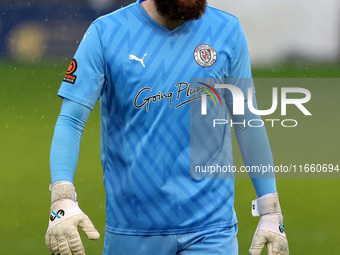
(62, 237)
(270, 229)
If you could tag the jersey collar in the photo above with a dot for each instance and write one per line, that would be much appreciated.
(158, 27)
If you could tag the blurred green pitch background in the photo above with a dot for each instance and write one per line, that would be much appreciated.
(29, 108)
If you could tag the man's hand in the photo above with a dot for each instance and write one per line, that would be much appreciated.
(270, 229)
(62, 235)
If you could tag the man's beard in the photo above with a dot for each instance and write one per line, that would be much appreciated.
(181, 9)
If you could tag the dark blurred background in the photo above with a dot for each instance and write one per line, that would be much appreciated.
(279, 31)
(32, 30)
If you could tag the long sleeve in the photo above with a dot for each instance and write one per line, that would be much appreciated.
(255, 149)
(66, 140)
(253, 142)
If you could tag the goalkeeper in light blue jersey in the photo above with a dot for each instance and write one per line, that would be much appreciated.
(140, 62)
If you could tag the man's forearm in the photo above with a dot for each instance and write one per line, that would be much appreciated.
(255, 149)
(66, 141)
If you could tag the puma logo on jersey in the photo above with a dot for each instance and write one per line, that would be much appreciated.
(133, 57)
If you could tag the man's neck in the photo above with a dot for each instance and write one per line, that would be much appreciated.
(150, 8)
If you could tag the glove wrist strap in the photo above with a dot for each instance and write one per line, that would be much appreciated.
(62, 190)
(265, 205)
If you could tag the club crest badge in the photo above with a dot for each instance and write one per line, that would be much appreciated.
(205, 55)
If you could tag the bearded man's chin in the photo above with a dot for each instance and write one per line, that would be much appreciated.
(181, 9)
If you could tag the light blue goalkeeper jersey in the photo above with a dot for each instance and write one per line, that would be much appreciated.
(141, 73)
